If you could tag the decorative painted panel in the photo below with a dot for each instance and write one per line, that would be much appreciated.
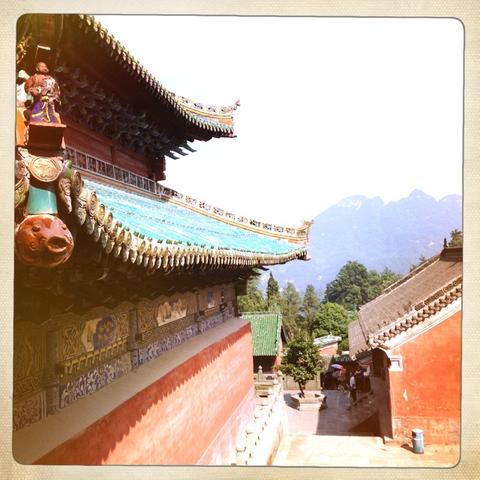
(153, 350)
(229, 311)
(146, 318)
(174, 308)
(91, 339)
(210, 298)
(171, 340)
(29, 411)
(98, 333)
(94, 380)
(71, 343)
(229, 292)
(29, 359)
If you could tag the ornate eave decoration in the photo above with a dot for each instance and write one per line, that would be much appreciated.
(43, 177)
(117, 239)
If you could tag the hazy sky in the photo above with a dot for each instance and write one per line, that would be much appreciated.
(330, 107)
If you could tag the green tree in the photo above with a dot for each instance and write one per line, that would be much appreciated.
(273, 293)
(290, 303)
(456, 238)
(333, 319)
(421, 259)
(309, 309)
(253, 301)
(354, 285)
(380, 281)
(302, 361)
(350, 287)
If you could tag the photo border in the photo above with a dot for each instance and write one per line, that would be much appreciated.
(468, 13)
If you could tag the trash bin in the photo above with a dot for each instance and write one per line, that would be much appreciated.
(417, 440)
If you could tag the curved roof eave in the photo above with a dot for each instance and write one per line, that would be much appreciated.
(218, 120)
(126, 240)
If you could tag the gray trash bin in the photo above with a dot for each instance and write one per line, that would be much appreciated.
(417, 440)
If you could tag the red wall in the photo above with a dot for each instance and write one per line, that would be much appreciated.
(174, 420)
(220, 451)
(329, 350)
(431, 380)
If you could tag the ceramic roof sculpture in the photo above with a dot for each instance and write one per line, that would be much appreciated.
(88, 219)
(108, 91)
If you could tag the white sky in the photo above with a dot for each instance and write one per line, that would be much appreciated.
(330, 107)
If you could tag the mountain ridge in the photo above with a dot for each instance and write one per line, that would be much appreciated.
(377, 234)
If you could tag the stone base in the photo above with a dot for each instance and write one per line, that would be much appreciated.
(311, 401)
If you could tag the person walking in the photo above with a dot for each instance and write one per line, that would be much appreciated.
(353, 388)
(367, 386)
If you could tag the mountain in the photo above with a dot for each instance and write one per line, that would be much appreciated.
(376, 234)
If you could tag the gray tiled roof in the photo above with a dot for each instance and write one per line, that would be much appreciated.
(414, 298)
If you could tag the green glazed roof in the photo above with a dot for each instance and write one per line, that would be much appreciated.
(166, 222)
(266, 329)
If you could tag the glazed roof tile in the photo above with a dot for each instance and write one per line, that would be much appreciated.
(327, 340)
(158, 233)
(266, 328)
(414, 298)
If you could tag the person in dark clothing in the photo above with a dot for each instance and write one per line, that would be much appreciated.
(359, 379)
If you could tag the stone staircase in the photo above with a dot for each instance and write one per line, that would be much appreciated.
(259, 443)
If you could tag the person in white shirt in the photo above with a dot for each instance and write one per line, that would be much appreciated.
(366, 380)
(353, 388)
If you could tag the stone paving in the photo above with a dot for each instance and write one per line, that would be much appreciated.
(337, 419)
(324, 439)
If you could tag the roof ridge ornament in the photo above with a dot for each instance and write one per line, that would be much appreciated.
(44, 176)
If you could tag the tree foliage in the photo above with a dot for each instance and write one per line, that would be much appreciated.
(302, 361)
(332, 319)
(253, 301)
(456, 238)
(354, 285)
(379, 281)
(421, 259)
(309, 309)
(350, 287)
(273, 293)
(290, 304)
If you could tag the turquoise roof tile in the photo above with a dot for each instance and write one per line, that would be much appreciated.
(165, 221)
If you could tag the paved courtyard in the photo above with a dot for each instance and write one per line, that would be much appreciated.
(337, 419)
(324, 439)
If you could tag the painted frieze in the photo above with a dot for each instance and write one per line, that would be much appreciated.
(89, 340)
(29, 359)
(175, 307)
(93, 380)
(146, 316)
(29, 410)
(171, 340)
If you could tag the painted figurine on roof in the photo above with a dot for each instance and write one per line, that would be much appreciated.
(45, 96)
(43, 177)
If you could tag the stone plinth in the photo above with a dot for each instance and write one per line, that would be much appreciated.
(311, 401)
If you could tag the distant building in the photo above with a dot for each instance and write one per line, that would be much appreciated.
(410, 335)
(268, 339)
(327, 345)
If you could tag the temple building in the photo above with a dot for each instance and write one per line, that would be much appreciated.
(410, 336)
(327, 346)
(269, 339)
(129, 347)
